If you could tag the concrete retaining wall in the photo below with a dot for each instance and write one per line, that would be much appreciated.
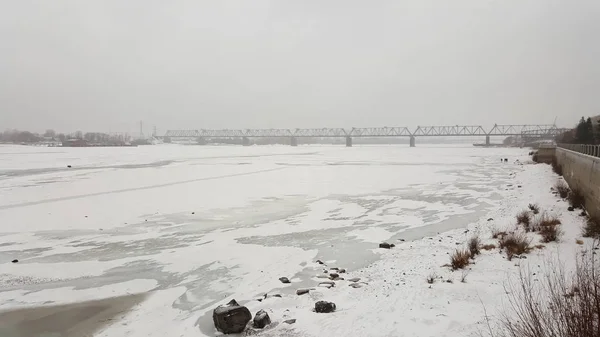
(582, 172)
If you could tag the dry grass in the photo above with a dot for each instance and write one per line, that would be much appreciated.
(556, 167)
(562, 304)
(562, 188)
(592, 228)
(539, 246)
(473, 245)
(431, 278)
(496, 233)
(515, 244)
(535, 208)
(463, 277)
(524, 218)
(576, 199)
(551, 233)
(488, 246)
(460, 259)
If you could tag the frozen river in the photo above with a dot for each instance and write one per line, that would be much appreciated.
(201, 224)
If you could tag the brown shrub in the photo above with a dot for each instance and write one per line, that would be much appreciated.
(524, 219)
(592, 228)
(460, 259)
(578, 241)
(561, 304)
(473, 245)
(488, 246)
(550, 233)
(562, 188)
(515, 244)
(576, 199)
(535, 208)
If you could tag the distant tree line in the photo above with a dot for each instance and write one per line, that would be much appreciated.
(586, 132)
(20, 137)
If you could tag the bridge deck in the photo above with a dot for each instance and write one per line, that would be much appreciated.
(421, 131)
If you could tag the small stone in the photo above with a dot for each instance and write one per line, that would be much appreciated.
(355, 285)
(402, 240)
(324, 307)
(290, 321)
(320, 262)
(15, 261)
(342, 271)
(327, 284)
(276, 295)
(284, 280)
(302, 291)
(193, 212)
(519, 186)
(69, 166)
(571, 209)
(490, 219)
(333, 276)
(354, 279)
(261, 319)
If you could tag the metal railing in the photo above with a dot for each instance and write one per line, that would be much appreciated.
(590, 150)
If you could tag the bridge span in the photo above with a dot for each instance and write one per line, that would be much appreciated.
(527, 131)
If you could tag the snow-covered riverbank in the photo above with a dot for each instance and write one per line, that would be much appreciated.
(198, 226)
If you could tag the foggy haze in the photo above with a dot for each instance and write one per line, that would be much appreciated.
(105, 65)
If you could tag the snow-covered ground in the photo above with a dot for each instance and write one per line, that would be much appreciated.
(197, 226)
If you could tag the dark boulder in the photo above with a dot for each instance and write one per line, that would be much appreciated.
(69, 166)
(571, 208)
(284, 280)
(386, 245)
(261, 319)
(320, 262)
(231, 318)
(334, 276)
(15, 261)
(290, 321)
(324, 307)
(341, 271)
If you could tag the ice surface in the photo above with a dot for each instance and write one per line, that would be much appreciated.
(200, 225)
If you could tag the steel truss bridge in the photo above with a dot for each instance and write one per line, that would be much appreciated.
(524, 131)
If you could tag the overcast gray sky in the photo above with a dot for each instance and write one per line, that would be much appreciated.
(105, 65)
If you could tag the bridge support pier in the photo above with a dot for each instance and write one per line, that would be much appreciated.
(487, 140)
(293, 141)
(245, 141)
(348, 141)
(412, 141)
